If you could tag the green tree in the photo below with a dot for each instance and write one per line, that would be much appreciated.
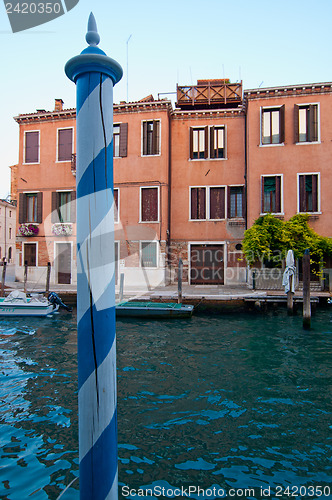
(269, 239)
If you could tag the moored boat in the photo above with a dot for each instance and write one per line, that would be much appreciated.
(18, 304)
(153, 310)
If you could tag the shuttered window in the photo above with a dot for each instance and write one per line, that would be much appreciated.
(271, 194)
(120, 139)
(273, 125)
(31, 154)
(308, 193)
(207, 203)
(65, 144)
(63, 206)
(30, 208)
(306, 123)
(149, 204)
(217, 203)
(198, 203)
(149, 254)
(217, 142)
(151, 137)
(198, 143)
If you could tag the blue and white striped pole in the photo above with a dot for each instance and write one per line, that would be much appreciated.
(95, 74)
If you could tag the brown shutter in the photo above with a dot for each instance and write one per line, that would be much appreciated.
(212, 154)
(278, 194)
(314, 193)
(282, 123)
(191, 143)
(201, 203)
(31, 147)
(54, 214)
(217, 203)
(296, 123)
(116, 204)
(149, 204)
(73, 206)
(39, 207)
(313, 123)
(244, 204)
(22, 208)
(145, 138)
(155, 137)
(65, 144)
(262, 195)
(206, 142)
(123, 139)
(193, 203)
(302, 204)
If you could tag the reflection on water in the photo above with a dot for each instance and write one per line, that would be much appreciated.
(225, 401)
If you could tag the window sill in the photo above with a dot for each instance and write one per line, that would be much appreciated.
(279, 215)
(149, 156)
(271, 145)
(311, 215)
(31, 163)
(206, 220)
(63, 161)
(207, 159)
(149, 222)
(306, 143)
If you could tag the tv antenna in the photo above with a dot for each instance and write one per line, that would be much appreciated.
(128, 64)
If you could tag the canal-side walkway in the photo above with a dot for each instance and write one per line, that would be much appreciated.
(208, 295)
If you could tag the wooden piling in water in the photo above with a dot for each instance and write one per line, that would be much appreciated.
(48, 277)
(306, 290)
(180, 273)
(25, 276)
(3, 280)
(290, 295)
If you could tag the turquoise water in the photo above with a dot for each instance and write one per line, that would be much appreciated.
(230, 404)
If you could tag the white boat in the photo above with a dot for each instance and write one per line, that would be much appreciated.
(18, 304)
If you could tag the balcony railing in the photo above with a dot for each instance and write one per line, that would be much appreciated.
(209, 95)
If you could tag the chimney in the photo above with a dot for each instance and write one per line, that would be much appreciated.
(58, 105)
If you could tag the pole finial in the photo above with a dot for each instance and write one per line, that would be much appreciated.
(92, 36)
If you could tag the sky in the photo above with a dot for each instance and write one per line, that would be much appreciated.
(159, 44)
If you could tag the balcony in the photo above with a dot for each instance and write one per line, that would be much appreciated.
(209, 94)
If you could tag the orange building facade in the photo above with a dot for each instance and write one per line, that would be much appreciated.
(188, 180)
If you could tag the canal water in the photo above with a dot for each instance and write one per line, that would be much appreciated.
(223, 406)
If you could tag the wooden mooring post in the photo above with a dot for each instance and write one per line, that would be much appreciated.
(180, 273)
(306, 290)
(25, 276)
(290, 295)
(48, 277)
(3, 280)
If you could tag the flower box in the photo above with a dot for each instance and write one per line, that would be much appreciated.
(62, 229)
(28, 230)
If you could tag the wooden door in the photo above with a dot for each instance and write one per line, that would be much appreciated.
(207, 264)
(63, 264)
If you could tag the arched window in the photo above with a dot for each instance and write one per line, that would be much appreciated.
(9, 254)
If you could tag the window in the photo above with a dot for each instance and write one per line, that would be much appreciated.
(149, 254)
(63, 206)
(30, 254)
(235, 202)
(199, 143)
(10, 233)
(116, 204)
(31, 152)
(120, 137)
(207, 203)
(30, 207)
(65, 144)
(151, 137)
(273, 127)
(217, 142)
(271, 194)
(149, 204)
(201, 147)
(306, 123)
(308, 193)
